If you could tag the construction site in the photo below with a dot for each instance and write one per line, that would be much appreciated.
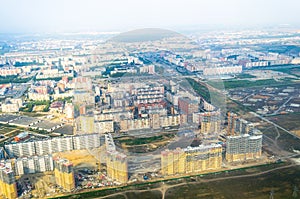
(191, 159)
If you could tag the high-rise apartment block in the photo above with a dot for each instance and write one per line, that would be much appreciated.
(64, 174)
(237, 125)
(188, 107)
(86, 141)
(116, 162)
(53, 145)
(232, 120)
(34, 164)
(243, 142)
(243, 147)
(8, 187)
(86, 124)
(209, 122)
(21, 149)
(173, 162)
(191, 159)
(117, 166)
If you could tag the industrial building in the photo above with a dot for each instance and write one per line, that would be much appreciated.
(64, 173)
(243, 147)
(8, 187)
(191, 159)
(21, 137)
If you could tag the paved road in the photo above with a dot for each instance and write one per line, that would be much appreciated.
(276, 125)
(276, 112)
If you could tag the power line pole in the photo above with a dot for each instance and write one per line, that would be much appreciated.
(295, 192)
(272, 194)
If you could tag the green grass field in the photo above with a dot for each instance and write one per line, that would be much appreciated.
(258, 187)
(230, 84)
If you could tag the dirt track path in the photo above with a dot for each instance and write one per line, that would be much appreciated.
(164, 188)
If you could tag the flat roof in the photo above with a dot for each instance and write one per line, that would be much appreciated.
(7, 118)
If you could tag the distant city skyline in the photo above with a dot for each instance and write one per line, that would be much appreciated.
(92, 15)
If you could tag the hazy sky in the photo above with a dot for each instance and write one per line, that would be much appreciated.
(106, 15)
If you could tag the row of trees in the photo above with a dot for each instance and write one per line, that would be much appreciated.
(29, 106)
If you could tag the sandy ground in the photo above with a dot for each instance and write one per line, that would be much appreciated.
(38, 108)
(297, 132)
(82, 158)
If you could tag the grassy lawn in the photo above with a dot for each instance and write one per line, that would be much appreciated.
(200, 89)
(217, 98)
(291, 71)
(14, 79)
(282, 182)
(229, 84)
(257, 187)
(4, 130)
(288, 121)
(244, 75)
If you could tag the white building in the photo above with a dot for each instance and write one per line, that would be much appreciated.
(35, 164)
(62, 144)
(20, 149)
(38, 96)
(86, 141)
(224, 70)
(106, 126)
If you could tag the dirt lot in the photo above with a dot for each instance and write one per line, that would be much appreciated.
(281, 183)
(39, 108)
(289, 121)
(81, 158)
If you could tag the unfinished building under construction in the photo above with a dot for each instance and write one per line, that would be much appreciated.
(243, 141)
(237, 125)
(191, 159)
(116, 162)
(243, 147)
(64, 173)
(8, 188)
(117, 168)
(209, 122)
